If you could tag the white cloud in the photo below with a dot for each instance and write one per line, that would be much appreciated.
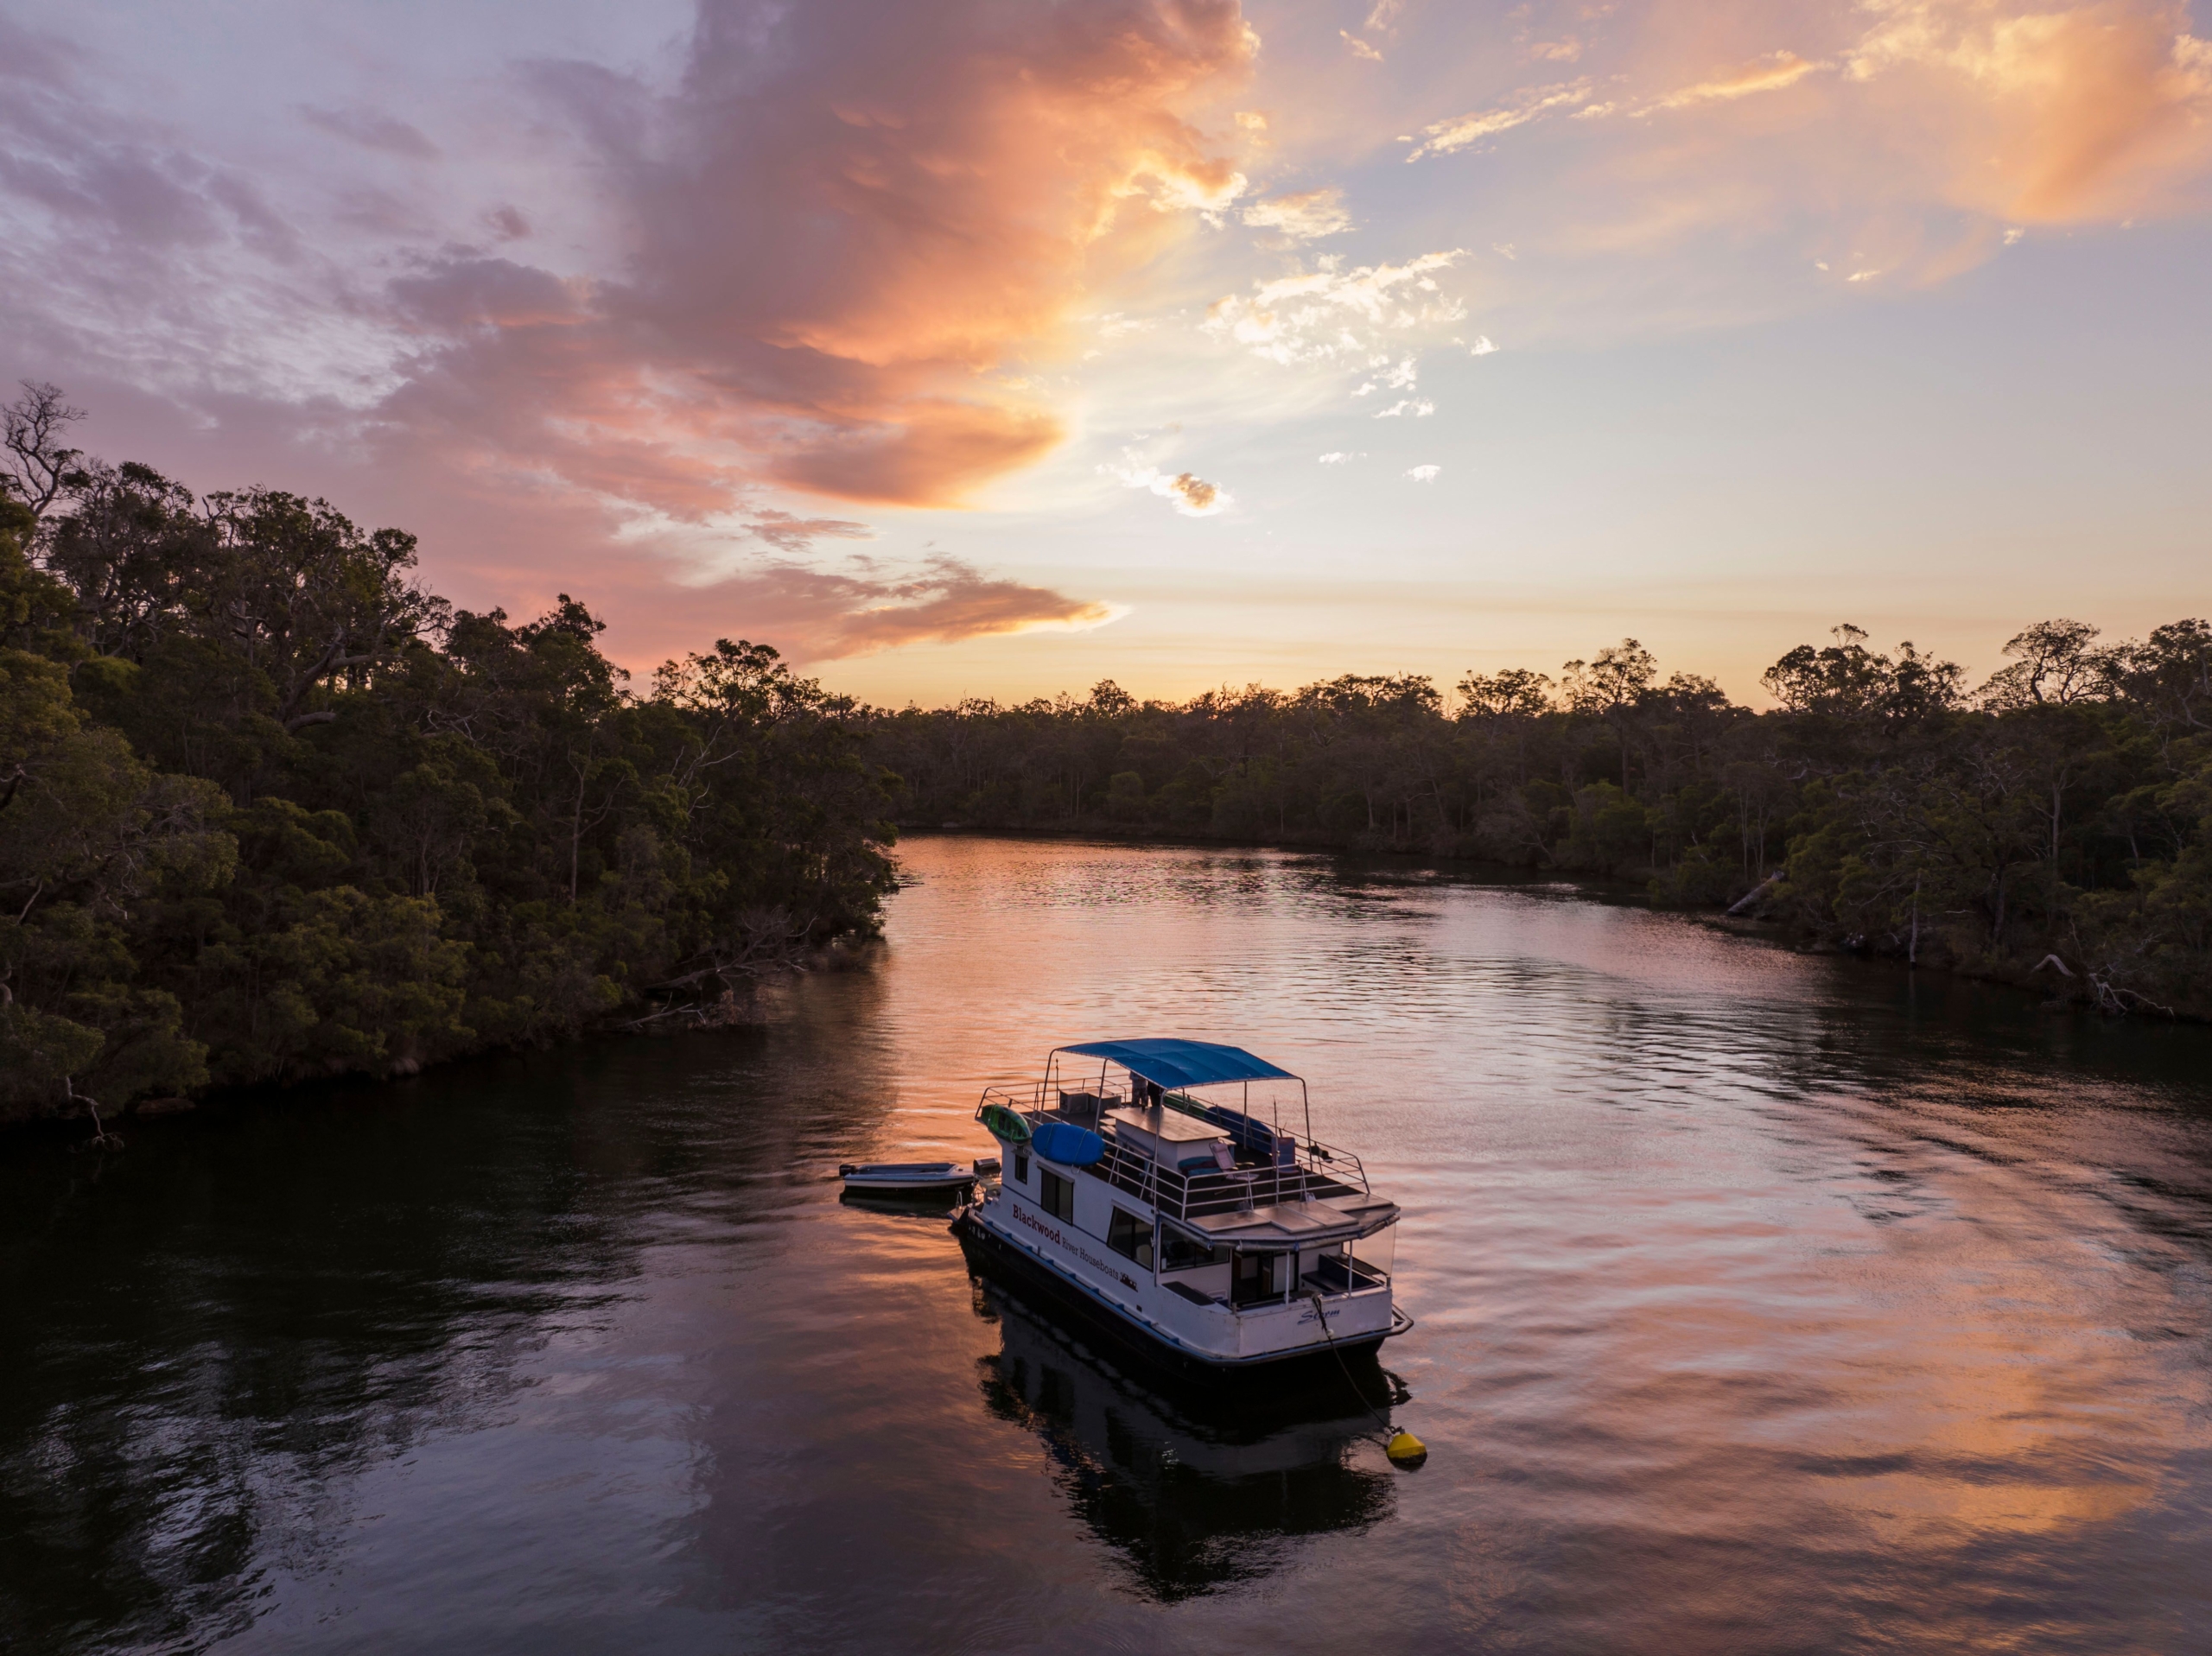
(1402, 377)
(1360, 48)
(1482, 346)
(1420, 407)
(1192, 495)
(1327, 315)
(1773, 72)
(1424, 474)
(1306, 217)
(2013, 235)
(1335, 457)
(1442, 137)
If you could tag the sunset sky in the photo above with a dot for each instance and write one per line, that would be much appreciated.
(962, 348)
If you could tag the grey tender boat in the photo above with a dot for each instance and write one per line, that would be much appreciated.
(906, 1178)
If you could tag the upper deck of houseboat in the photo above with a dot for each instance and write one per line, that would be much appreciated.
(1183, 1134)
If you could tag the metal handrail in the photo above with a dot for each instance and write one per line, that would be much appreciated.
(1321, 1169)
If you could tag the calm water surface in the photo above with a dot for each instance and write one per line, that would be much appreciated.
(1767, 1303)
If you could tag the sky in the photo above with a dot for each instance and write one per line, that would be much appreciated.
(994, 348)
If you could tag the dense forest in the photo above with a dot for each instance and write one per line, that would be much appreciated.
(2053, 825)
(270, 809)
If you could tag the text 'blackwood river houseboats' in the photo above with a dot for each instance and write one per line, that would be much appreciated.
(1176, 1189)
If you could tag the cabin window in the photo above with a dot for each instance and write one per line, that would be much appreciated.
(1056, 1195)
(1178, 1253)
(1130, 1236)
(1021, 1167)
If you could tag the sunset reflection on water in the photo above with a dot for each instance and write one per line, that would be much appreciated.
(1767, 1301)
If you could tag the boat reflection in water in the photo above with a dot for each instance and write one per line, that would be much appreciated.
(903, 1204)
(1196, 1488)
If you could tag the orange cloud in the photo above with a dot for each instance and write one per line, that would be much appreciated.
(1770, 74)
(923, 452)
(1867, 130)
(2047, 116)
(821, 615)
(846, 225)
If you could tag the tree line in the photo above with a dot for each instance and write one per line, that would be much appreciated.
(2053, 824)
(269, 809)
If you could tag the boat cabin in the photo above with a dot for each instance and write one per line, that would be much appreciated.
(1196, 1164)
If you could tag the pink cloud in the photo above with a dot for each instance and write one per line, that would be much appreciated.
(817, 614)
(1893, 135)
(822, 258)
(2054, 114)
(847, 222)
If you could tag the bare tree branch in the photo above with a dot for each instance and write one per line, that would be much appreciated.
(37, 468)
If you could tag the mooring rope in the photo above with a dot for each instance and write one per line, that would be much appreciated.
(1321, 1312)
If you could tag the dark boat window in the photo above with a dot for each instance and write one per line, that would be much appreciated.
(1056, 1195)
(1130, 1236)
(1178, 1253)
(1021, 1167)
(1259, 1277)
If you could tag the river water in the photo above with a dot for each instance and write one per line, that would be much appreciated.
(1767, 1301)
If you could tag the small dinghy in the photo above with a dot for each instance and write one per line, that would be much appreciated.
(907, 1178)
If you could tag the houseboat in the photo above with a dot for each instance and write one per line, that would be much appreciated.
(1175, 1189)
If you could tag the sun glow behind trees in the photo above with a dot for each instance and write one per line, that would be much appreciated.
(269, 809)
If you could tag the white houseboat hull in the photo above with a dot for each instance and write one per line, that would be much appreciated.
(1213, 1335)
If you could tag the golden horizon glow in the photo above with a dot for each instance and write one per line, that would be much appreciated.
(899, 336)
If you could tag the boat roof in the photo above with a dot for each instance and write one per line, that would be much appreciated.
(1299, 1224)
(1171, 1062)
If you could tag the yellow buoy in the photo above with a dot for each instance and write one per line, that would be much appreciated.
(1405, 1449)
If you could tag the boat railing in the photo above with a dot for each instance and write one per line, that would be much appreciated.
(1315, 1171)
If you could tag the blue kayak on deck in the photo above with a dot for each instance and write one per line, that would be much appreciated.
(1069, 1145)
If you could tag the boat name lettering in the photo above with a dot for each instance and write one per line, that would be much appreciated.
(1076, 1248)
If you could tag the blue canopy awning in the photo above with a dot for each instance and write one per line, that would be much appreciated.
(1183, 1063)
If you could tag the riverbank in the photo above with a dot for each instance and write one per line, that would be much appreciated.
(2062, 811)
(740, 1005)
(332, 824)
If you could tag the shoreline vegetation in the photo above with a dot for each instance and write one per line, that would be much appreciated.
(269, 810)
(2051, 828)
